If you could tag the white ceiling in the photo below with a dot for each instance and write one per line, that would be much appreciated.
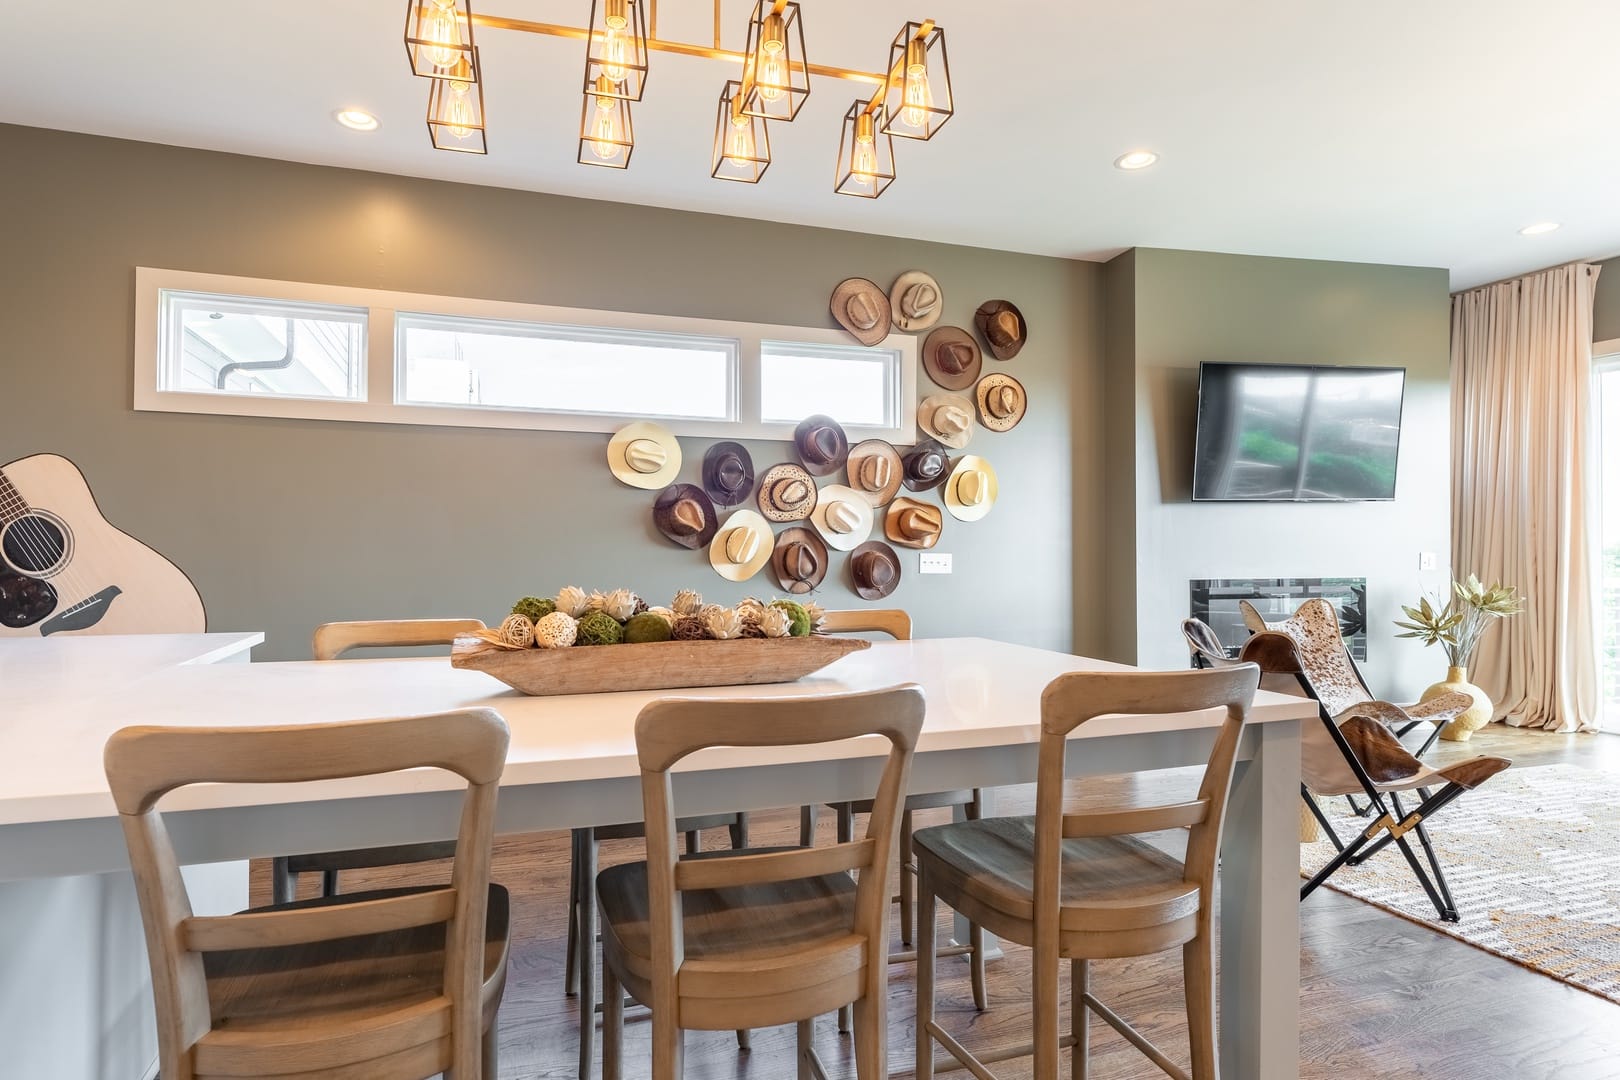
(1387, 131)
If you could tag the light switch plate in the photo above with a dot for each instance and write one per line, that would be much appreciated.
(1427, 560)
(933, 562)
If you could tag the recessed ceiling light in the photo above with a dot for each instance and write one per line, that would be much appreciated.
(356, 119)
(1136, 159)
(1539, 228)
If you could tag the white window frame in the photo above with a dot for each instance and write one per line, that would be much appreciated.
(381, 404)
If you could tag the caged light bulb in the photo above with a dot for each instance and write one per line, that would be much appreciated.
(605, 130)
(919, 96)
(863, 162)
(772, 78)
(458, 117)
(443, 31)
(616, 41)
(740, 143)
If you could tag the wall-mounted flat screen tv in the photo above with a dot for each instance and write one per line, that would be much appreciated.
(1297, 433)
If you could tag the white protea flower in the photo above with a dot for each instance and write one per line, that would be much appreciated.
(750, 608)
(723, 624)
(775, 623)
(818, 615)
(687, 602)
(620, 603)
(597, 601)
(556, 631)
(573, 601)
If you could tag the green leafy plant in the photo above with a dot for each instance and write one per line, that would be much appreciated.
(1462, 620)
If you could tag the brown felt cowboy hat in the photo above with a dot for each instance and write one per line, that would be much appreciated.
(684, 514)
(821, 444)
(786, 493)
(915, 300)
(644, 455)
(1003, 327)
(946, 417)
(913, 524)
(1002, 401)
(799, 562)
(874, 470)
(862, 308)
(925, 466)
(951, 357)
(728, 473)
(875, 568)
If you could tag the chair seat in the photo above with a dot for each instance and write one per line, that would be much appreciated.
(741, 942)
(1111, 886)
(340, 985)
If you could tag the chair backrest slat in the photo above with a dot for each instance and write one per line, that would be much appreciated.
(770, 866)
(145, 763)
(892, 621)
(333, 639)
(1135, 820)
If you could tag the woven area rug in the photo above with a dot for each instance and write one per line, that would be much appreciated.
(1533, 859)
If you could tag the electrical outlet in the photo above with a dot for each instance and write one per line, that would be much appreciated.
(1428, 560)
(933, 562)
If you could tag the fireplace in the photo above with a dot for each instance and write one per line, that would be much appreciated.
(1215, 601)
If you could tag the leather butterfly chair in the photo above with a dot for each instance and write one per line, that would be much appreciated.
(1354, 751)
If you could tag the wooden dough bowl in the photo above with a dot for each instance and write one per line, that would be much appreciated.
(655, 665)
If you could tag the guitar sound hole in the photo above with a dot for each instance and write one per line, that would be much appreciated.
(34, 544)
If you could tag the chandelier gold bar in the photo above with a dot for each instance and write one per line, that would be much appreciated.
(580, 33)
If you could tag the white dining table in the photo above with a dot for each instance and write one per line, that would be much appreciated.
(572, 763)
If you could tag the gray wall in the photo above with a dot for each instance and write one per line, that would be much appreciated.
(1606, 303)
(284, 524)
(1188, 307)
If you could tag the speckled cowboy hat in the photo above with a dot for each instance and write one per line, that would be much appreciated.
(684, 514)
(946, 417)
(728, 473)
(874, 470)
(915, 301)
(1003, 327)
(799, 562)
(741, 546)
(951, 357)
(1001, 400)
(786, 493)
(971, 491)
(925, 466)
(644, 455)
(874, 568)
(821, 444)
(862, 308)
(913, 524)
(842, 516)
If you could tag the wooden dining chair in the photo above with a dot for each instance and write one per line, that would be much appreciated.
(331, 641)
(399, 983)
(897, 624)
(1084, 886)
(768, 936)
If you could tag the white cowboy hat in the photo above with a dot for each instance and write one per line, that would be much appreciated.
(915, 301)
(948, 418)
(742, 546)
(843, 516)
(971, 491)
(644, 455)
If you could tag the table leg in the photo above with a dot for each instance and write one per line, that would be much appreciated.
(1259, 965)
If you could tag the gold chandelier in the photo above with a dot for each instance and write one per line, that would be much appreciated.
(911, 98)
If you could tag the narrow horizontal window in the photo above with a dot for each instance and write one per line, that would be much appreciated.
(859, 386)
(243, 345)
(492, 364)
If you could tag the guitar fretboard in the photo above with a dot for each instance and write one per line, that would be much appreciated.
(12, 505)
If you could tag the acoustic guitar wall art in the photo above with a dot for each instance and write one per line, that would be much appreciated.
(64, 569)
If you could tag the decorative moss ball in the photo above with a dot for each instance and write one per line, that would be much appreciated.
(599, 628)
(646, 627)
(796, 612)
(689, 628)
(534, 608)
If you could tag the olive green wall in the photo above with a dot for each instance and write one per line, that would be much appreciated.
(1606, 303)
(1186, 307)
(285, 524)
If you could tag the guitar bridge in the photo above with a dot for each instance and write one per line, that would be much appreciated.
(84, 614)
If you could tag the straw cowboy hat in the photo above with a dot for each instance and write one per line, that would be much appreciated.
(821, 444)
(1003, 327)
(861, 308)
(741, 546)
(925, 466)
(948, 418)
(644, 455)
(728, 473)
(684, 514)
(875, 568)
(799, 562)
(971, 490)
(1002, 402)
(786, 493)
(913, 524)
(915, 300)
(874, 470)
(951, 357)
(842, 516)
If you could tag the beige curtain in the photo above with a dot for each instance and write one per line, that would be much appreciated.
(1524, 502)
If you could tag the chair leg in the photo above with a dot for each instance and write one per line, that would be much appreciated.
(1198, 971)
(846, 834)
(807, 825)
(1044, 1008)
(571, 964)
(1080, 1018)
(612, 1025)
(739, 832)
(871, 1037)
(1439, 874)
(927, 960)
(806, 1047)
(587, 952)
(668, 1045)
(694, 842)
(981, 994)
(329, 883)
(492, 1049)
(283, 883)
(908, 887)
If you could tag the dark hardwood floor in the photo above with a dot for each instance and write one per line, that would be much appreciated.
(1379, 995)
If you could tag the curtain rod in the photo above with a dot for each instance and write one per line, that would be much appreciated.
(1530, 274)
